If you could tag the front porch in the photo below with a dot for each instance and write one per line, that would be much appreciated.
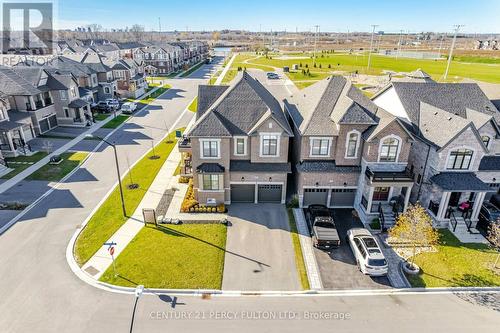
(14, 138)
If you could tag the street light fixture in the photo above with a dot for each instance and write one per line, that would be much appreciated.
(138, 292)
(117, 169)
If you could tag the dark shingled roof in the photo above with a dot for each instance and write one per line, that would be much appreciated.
(459, 181)
(78, 103)
(210, 168)
(451, 97)
(13, 84)
(7, 125)
(239, 109)
(247, 166)
(490, 163)
(325, 166)
(207, 95)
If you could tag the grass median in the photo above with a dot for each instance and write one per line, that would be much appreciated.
(109, 218)
(188, 256)
(20, 163)
(299, 258)
(194, 105)
(115, 122)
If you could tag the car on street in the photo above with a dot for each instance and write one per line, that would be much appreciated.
(113, 103)
(324, 231)
(103, 107)
(272, 76)
(488, 214)
(128, 107)
(367, 252)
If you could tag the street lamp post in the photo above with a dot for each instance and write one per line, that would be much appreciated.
(457, 27)
(138, 292)
(117, 170)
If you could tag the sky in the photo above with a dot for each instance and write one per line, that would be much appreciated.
(478, 16)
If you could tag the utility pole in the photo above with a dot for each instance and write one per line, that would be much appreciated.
(371, 45)
(400, 42)
(315, 44)
(457, 27)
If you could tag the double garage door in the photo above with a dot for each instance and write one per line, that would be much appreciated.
(48, 123)
(340, 197)
(265, 192)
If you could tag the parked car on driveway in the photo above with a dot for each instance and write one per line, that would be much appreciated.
(128, 107)
(324, 232)
(369, 256)
(103, 107)
(113, 103)
(488, 214)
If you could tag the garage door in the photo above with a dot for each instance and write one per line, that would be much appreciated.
(242, 193)
(270, 193)
(315, 196)
(342, 197)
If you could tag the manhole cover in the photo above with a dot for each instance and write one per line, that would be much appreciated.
(91, 270)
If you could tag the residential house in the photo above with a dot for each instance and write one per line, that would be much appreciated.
(237, 150)
(159, 60)
(129, 73)
(455, 128)
(16, 130)
(347, 152)
(107, 82)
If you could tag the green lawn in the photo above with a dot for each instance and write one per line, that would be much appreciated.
(299, 258)
(488, 72)
(192, 69)
(187, 256)
(230, 75)
(115, 122)
(21, 163)
(57, 172)
(108, 218)
(456, 265)
(150, 98)
(194, 105)
(100, 116)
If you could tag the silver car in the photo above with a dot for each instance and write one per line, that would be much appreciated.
(369, 256)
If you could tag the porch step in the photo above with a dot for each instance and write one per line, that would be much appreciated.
(463, 234)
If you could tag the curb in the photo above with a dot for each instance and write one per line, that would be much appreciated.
(403, 275)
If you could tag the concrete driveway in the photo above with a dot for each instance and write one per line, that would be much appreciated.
(338, 268)
(259, 250)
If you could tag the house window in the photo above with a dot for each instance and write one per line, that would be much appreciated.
(63, 94)
(389, 150)
(459, 159)
(210, 149)
(240, 146)
(320, 147)
(106, 90)
(210, 182)
(73, 92)
(486, 140)
(269, 145)
(352, 144)
(66, 112)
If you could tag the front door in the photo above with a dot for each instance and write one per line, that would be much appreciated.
(454, 199)
(381, 194)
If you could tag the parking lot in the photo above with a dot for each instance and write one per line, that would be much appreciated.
(338, 268)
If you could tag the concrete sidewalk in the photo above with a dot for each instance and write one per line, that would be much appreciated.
(101, 260)
(224, 71)
(28, 171)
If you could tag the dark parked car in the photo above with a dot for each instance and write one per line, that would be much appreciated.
(324, 232)
(489, 213)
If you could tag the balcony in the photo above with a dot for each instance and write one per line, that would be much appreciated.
(184, 145)
(405, 176)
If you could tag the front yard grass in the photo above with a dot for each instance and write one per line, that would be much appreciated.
(109, 218)
(20, 163)
(115, 122)
(55, 172)
(456, 264)
(100, 116)
(299, 258)
(188, 256)
(194, 105)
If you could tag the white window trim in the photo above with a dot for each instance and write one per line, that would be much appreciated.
(278, 136)
(358, 141)
(319, 138)
(400, 144)
(218, 149)
(472, 160)
(235, 146)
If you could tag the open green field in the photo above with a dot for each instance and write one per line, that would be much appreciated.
(109, 218)
(456, 264)
(20, 163)
(483, 69)
(188, 256)
(55, 172)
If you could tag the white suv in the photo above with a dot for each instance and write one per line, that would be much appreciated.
(366, 250)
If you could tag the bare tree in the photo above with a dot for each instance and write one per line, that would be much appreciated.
(494, 238)
(137, 32)
(94, 30)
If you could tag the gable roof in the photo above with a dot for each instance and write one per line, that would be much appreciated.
(238, 109)
(13, 84)
(455, 98)
(207, 95)
(490, 163)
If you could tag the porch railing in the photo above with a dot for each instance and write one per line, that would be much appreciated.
(364, 202)
(434, 207)
(381, 216)
(453, 219)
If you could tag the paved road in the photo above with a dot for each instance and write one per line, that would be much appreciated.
(259, 250)
(39, 293)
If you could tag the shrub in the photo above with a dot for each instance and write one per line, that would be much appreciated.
(375, 224)
(183, 180)
(221, 208)
(294, 202)
(307, 66)
(329, 65)
(319, 65)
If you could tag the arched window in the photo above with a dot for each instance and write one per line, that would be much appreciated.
(459, 159)
(389, 150)
(352, 144)
(486, 140)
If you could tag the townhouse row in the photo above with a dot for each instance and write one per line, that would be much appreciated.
(416, 140)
